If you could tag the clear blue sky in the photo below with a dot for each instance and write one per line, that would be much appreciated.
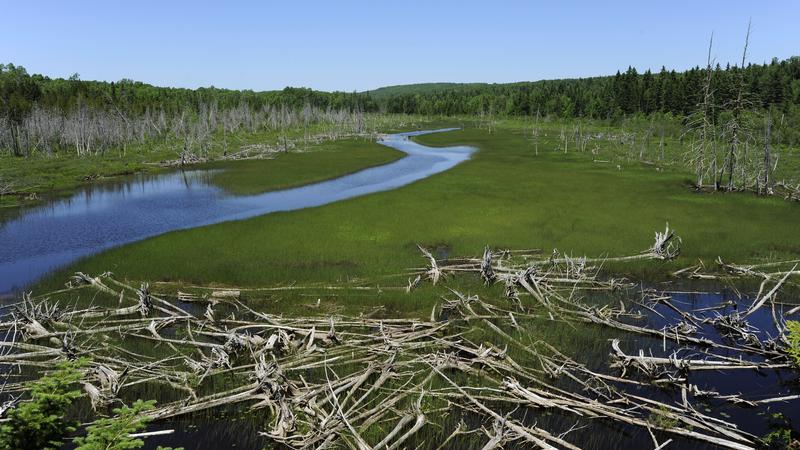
(360, 45)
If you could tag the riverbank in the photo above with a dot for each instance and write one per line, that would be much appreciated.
(49, 237)
(39, 178)
(335, 277)
(506, 196)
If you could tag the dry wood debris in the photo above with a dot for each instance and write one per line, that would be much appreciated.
(372, 383)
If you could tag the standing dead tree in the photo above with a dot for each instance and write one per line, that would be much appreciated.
(735, 129)
(703, 150)
(702, 153)
(646, 140)
(94, 130)
(6, 187)
(764, 186)
(536, 132)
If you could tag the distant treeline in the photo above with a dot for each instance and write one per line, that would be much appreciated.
(20, 92)
(775, 85)
(42, 113)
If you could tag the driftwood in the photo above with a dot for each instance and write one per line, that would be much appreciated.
(372, 383)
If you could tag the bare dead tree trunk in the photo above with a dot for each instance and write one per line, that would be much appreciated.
(15, 139)
(224, 141)
(765, 189)
(185, 150)
(706, 125)
(714, 169)
(536, 133)
(646, 141)
(743, 166)
(736, 124)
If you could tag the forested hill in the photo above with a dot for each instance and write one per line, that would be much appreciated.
(776, 84)
(386, 92)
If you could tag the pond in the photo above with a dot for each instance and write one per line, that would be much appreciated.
(107, 215)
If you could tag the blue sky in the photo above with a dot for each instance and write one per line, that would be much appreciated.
(360, 45)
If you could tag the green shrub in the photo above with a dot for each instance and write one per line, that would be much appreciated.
(40, 422)
(662, 419)
(781, 436)
(112, 433)
(793, 335)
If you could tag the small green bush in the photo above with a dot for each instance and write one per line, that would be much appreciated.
(661, 418)
(112, 432)
(793, 335)
(40, 422)
(781, 436)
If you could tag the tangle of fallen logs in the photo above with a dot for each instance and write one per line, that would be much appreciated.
(371, 383)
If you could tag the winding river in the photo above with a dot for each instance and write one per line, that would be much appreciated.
(111, 214)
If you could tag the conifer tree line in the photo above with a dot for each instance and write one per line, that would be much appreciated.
(41, 114)
(774, 84)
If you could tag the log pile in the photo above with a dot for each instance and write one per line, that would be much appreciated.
(371, 383)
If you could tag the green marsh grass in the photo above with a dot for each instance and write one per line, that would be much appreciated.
(60, 174)
(330, 159)
(504, 197)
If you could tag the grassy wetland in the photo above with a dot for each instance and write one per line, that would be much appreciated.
(563, 264)
(505, 196)
(342, 306)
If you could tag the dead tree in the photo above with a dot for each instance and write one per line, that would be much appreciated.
(6, 187)
(735, 128)
(386, 383)
(765, 189)
(703, 147)
(535, 133)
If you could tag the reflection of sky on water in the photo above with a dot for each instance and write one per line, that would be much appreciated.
(107, 215)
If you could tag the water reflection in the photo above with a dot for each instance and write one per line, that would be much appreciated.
(211, 429)
(107, 215)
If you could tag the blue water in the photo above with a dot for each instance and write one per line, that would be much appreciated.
(108, 215)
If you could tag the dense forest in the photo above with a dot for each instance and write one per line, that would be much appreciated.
(20, 92)
(44, 115)
(38, 113)
(773, 85)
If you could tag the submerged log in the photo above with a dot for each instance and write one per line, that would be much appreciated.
(375, 382)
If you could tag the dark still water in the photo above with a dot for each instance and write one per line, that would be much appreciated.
(109, 215)
(221, 428)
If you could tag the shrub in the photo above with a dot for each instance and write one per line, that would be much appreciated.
(662, 419)
(114, 432)
(793, 336)
(40, 422)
